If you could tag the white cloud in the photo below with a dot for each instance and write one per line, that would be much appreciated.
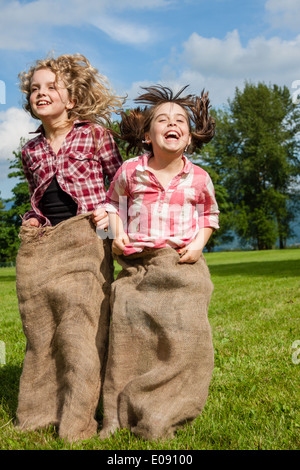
(261, 58)
(14, 124)
(22, 23)
(283, 14)
(135, 91)
(220, 65)
(128, 33)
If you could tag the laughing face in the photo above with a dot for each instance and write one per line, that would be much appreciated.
(49, 98)
(169, 130)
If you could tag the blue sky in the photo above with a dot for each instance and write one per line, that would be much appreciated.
(216, 45)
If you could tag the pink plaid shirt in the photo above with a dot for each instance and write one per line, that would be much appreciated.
(87, 156)
(154, 216)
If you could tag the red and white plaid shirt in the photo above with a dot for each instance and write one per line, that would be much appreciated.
(87, 156)
(154, 216)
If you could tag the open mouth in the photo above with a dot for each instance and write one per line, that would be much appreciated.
(172, 135)
(43, 103)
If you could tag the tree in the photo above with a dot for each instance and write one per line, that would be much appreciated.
(224, 234)
(10, 219)
(256, 158)
(7, 236)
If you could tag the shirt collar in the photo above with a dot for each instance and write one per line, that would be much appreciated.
(40, 129)
(143, 165)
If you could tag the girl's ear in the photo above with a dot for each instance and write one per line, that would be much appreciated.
(147, 139)
(70, 104)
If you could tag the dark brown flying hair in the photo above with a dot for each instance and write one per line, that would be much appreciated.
(136, 122)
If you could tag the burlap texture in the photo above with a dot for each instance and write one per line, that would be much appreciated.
(161, 356)
(64, 275)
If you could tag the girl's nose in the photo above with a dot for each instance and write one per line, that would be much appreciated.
(172, 122)
(41, 91)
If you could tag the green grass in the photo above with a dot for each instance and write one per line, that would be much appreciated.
(254, 395)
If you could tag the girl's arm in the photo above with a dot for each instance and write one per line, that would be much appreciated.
(208, 216)
(192, 252)
(120, 236)
(99, 218)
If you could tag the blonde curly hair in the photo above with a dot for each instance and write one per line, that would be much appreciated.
(91, 91)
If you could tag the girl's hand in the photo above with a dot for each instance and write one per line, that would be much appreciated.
(32, 221)
(119, 244)
(100, 218)
(190, 253)
(190, 256)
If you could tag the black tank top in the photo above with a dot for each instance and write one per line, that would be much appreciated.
(56, 204)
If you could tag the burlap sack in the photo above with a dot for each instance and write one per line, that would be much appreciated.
(64, 275)
(160, 358)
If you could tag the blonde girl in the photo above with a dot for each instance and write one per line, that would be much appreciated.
(64, 269)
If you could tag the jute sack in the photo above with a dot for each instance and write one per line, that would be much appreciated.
(64, 274)
(160, 359)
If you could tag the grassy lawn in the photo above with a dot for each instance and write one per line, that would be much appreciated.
(254, 394)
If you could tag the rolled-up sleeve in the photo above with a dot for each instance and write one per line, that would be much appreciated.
(117, 191)
(208, 210)
(110, 156)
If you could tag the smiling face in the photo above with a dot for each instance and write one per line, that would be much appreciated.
(49, 98)
(169, 130)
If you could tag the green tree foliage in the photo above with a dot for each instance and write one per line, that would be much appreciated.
(7, 237)
(224, 235)
(10, 219)
(256, 158)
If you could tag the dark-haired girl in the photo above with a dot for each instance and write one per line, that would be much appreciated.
(162, 212)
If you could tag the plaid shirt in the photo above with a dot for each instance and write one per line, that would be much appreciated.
(154, 216)
(87, 156)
